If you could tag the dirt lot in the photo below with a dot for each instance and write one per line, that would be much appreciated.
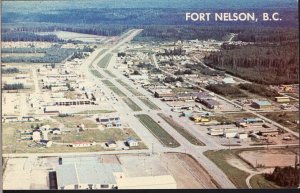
(187, 172)
(26, 173)
(269, 158)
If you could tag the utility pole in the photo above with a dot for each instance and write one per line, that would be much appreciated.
(152, 148)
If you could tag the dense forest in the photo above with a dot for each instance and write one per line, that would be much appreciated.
(285, 176)
(28, 36)
(264, 63)
(226, 90)
(261, 90)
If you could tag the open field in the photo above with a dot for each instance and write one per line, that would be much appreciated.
(269, 158)
(95, 135)
(95, 112)
(164, 137)
(287, 119)
(234, 163)
(97, 73)
(192, 139)
(74, 36)
(132, 104)
(73, 121)
(11, 136)
(258, 182)
(236, 176)
(110, 73)
(104, 61)
(232, 117)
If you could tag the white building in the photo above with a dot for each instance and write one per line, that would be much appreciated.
(132, 142)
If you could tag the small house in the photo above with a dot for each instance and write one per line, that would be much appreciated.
(131, 142)
(46, 143)
(56, 131)
(111, 144)
(36, 135)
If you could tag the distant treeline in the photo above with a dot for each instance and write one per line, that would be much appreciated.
(261, 63)
(53, 54)
(28, 36)
(16, 86)
(10, 70)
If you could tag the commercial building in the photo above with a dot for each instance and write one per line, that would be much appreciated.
(160, 93)
(261, 104)
(228, 80)
(250, 121)
(86, 174)
(226, 132)
(282, 99)
(90, 173)
(210, 103)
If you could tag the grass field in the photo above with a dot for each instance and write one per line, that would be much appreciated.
(232, 117)
(97, 73)
(191, 138)
(95, 111)
(103, 63)
(287, 119)
(131, 104)
(164, 137)
(10, 135)
(150, 104)
(258, 182)
(73, 121)
(110, 73)
(236, 176)
(96, 135)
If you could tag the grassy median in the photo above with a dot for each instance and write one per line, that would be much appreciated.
(164, 137)
(191, 138)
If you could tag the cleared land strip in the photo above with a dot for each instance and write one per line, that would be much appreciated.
(164, 137)
(191, 138)
(110, 73)
(97, 73)
(103, 63)
(145, 100)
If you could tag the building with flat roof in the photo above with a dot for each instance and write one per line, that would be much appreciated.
(261, 104)
(210, 103)
(87, 175)
(283, 99)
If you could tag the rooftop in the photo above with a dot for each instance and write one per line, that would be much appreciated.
(85, 171)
